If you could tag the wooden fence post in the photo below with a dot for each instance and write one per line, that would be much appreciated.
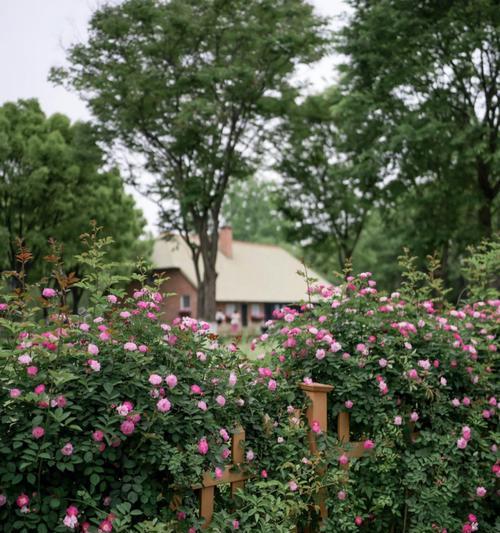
(317, 412)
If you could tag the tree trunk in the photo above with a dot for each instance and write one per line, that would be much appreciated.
(206, 295)
(209, 241)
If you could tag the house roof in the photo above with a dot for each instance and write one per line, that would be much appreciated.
(254, 273)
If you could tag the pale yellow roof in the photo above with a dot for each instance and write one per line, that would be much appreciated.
(255, 273)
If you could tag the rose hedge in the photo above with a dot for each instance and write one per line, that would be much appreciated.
(104, 420)
(401, 363)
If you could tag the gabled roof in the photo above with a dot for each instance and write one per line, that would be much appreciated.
(254, 273)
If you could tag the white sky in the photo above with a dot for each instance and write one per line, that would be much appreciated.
(34, 34)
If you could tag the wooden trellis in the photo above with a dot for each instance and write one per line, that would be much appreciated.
(317, 412)
(232, 474)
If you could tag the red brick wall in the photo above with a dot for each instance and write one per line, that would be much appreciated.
(177, 283)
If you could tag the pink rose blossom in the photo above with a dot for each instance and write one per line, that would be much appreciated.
(94, 365)
(39, 389)
(38, 432)
(320, 354)
(461, 443)
(368, 444)
(130, 346)
(98, 435)
(32, 371)
(202, 405)
(112, 299)
(382, 362)
(3, 500)
(14, 393)
(272, 384)
(348, 404)
(250, 455)
(358, 521)
(196, 389)
(343, 459)
(127, 427)
(236, 524)
(221, 401)
(92, 349)
(49, 293)
(67, 449)
(315, 427)
(455, 402)
(171, 380)
(414, 416)
(155, 379)
(24, 359)
(481, 492)
(293, 486)
(163, 405)
(203, 446)
(22, 501)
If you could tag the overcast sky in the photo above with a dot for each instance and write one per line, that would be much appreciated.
(34, 34)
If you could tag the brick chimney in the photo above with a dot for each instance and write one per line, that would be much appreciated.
(226, 241)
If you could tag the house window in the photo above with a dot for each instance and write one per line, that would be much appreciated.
(230, 309)
(185, 302)
(256, 313)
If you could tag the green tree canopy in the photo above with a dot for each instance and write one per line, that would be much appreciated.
(432, 71)
(52, 183)
(188, 85)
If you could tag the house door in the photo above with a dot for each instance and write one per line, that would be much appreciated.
(244, 315)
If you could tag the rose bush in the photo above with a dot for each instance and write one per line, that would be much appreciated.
(399, 364)
(107, 420)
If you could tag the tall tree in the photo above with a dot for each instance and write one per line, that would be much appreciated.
(186, 84)
(330, 170)
(52, 183)
(433, 69)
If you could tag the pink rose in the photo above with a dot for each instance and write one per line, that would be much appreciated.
(481, 491)
(341, 495)
(171, 380)
(32, 371)
(163, 405)
(202, 405)
(203, 446)
(343, 459)
(461, 443)
(127, 427)
(220, 400)
(98, 435)
(22, 501)
(14, 393)
(38, 432)
(224, 434)
(92, 349)
(272, 384)
(112, 299)
(398, 420)
(155, 379)
(348, 404)
(293, 486)
(368, 444)
(39, 389)
(67, 449)
(130, 346)
(49, 293)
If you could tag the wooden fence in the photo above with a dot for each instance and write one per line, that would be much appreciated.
(317, 412)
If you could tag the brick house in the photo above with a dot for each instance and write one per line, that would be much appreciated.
(252, 279)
